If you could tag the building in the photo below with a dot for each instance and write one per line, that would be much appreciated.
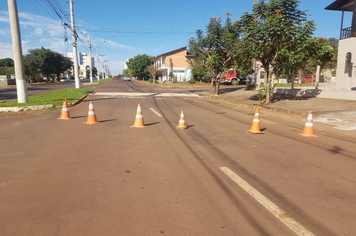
(346, 70)
(174, 65)
(125, 64)
(83, 61)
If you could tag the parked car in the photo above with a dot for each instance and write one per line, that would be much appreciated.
(64, 79)
(127, 78)
(115, 77)
(309, 79)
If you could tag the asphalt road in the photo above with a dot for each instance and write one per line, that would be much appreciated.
(60, 177)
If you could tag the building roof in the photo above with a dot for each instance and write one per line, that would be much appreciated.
(341, 5)
(172, 52)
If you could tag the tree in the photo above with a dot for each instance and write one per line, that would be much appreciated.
(218, 50)
(45, 61)
(272, 28)
(94, 71)
(6, 62)
(214, 50)
(7, 70)
(152, 69)
(138, 65)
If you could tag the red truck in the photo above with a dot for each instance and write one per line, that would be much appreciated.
(309, 79)
(233, 77)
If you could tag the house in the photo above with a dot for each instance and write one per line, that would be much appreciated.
(174, 65)
(346, 60)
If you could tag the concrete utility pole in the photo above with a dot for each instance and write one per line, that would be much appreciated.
(103, 74)
(75, 53)
(17, 51)
(317, 77)
(91, 61)
(97, 63)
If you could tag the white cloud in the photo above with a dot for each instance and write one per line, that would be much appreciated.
(38, 31)
(113, 44)
(6, 50)
(116, 67)
(4, 19)
(6, 32)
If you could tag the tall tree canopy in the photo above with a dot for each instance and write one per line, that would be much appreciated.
(217, 50)
(275, 33)
(6, 62)
(138, 66)
(45, 61)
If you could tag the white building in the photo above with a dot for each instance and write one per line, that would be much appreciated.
(84, 61)
(346, 59)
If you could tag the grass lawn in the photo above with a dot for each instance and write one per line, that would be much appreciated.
(55, 98)
(102, 81)
(289, 85)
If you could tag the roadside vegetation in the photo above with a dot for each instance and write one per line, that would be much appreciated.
(277, 35)
(102, 81)
(55, 98)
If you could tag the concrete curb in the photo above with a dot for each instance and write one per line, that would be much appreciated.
(25, 108)
(261, 107)
(39, 107)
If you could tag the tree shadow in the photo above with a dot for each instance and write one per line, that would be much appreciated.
(231, 89)
(291, 95)
(338, 150)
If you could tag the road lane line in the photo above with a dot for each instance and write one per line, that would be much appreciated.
(270, 206)
(153, 110)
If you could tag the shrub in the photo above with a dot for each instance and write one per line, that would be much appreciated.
(262, 92)
(192, 81)
(150, 80)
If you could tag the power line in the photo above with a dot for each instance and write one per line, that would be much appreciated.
(123, 32)
(145, 26)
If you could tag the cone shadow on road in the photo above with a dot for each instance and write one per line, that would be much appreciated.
(103, 121)
(76, 117)
(154, 123)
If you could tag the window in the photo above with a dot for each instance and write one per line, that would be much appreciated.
(348, 63)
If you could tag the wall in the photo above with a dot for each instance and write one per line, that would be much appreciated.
(343, 81)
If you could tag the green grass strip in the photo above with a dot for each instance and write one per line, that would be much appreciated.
(295, 85)
(54, 98)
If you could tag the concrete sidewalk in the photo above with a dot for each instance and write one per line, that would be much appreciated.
(287, 100)
(336, 108)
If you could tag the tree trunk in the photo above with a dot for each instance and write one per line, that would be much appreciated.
(267, 82)
(216, 85)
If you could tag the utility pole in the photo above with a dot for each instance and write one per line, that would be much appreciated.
(97, 63)
(17, 52)
(103, 74)
(91, 61)
(74, 39)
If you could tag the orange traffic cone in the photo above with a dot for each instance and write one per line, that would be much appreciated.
(308, 128)
(139, 118)
(181, 124)
(255, 129)
(65, 112)
(91, 115)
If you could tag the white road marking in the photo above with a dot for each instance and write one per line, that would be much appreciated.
(154, 111)
(270, 206)
(146, 94)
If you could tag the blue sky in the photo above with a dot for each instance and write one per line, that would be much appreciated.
(124, 29)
